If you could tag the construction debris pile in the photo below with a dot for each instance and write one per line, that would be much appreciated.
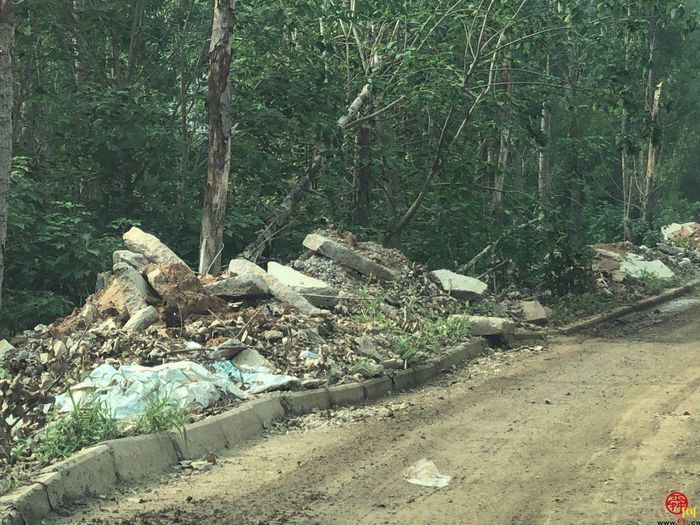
(155, 326)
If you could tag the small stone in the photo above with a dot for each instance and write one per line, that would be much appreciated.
(142, 319)
(547, 402)
(272, 335)
(533, 312)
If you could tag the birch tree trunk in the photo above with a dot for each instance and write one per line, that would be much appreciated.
(7, 37)
(544, 179)
(652, 158)
(219, 164)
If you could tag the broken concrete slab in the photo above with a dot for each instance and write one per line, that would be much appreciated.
(142, 319)
(150, 247)
(348, 257)
(126, 293)
(6, 349)
(278, 289)
(459, 286)
(637, 268)
(485, 326)
(314, 290)
(533, 312)
(240, 287)
(133, 259)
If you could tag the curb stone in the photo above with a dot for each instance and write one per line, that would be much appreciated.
(100, 468)
(376, 388)
(349, 394)
(622, 311)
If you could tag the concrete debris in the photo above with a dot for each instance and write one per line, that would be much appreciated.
(488, 326)
(251, 358)
(687, 234)
(279, 290)
(150, 247)
(533, 312)
(142, 319)
(6, 349)
(637, 268)
(459, 286)
(314, 290)
(133, 259)
(348, 257)
(240, 287)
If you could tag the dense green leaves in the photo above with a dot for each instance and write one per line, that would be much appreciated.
(111, 130)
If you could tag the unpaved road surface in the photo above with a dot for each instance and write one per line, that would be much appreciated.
(590, 430)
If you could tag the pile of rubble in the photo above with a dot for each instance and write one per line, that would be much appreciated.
(323, 319)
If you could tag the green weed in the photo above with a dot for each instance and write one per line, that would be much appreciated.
(432, 336)
(653, 284)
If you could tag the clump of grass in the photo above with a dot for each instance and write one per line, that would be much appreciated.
(87, 424)
(161, 415)
(3, 374)
(370, 308)
(91, 422)
(432, 336)
(653, 284)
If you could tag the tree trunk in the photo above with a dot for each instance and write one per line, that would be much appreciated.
(219, 107)
(7, 37)
(135, 41)
(544, 179)
(505, 144)
(363, 173)
(575, 181)
(625, 153)
(652, 159)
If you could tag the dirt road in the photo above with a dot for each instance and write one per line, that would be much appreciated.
(587, 431)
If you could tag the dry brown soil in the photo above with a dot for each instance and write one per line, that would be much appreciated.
(590, 430)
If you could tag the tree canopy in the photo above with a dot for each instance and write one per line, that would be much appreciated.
(473, 134)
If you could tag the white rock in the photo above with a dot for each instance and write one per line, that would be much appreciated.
(314, 290)
(636, 268)
(460, 286)
(150, 247)
(252, 358)
(142, 319)
(278, 289)
(533, 312)
(5, 349)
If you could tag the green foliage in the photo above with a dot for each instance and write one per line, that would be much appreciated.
(432, 336)
(161, 415)
(3, 373)
(90, 422)
(653, 284)
(85, 425)
(576, 306)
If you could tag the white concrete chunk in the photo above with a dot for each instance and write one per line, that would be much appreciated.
(150, 247)
(459, 286)
(314, 290)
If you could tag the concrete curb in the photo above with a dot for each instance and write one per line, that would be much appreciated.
(622, 311)
(98, 469)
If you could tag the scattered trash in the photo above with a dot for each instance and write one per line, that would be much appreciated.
(126, 391)
(256, 379)
(425, 473)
